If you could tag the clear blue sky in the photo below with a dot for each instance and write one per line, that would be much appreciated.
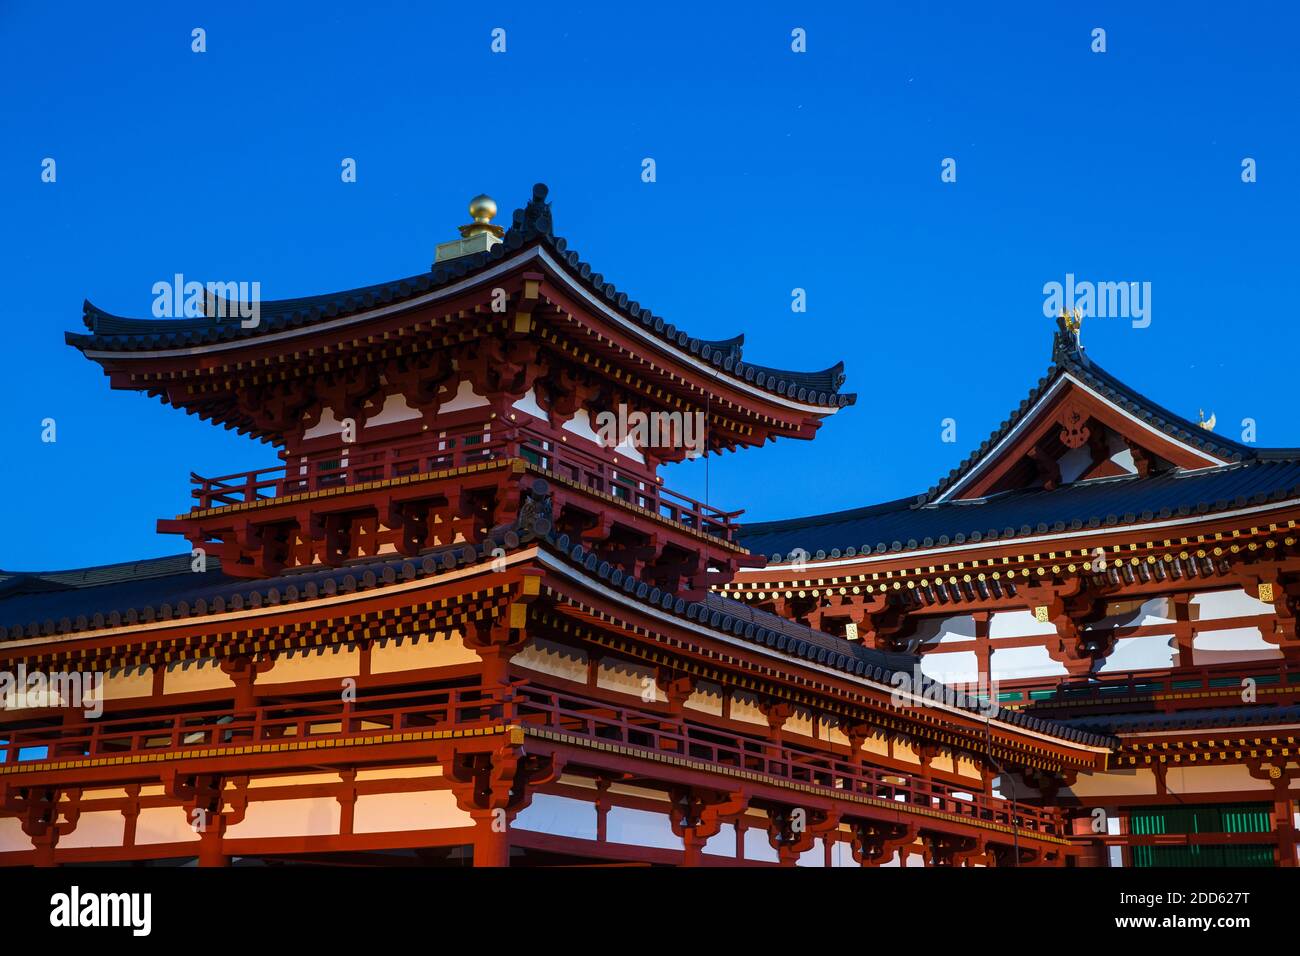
(775, 170)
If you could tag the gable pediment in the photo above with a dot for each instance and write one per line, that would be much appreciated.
(1082, 424)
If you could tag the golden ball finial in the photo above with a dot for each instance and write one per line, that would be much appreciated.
(482, 208)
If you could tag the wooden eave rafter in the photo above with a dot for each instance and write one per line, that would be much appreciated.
(726, 429)
(713, 387)
(1228, 745)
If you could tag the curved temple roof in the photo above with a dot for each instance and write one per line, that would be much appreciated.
(1247, 477)
(531, 228)
(1068, 358)
(1102, 503)
(165, 588)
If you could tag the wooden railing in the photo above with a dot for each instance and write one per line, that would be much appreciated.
(319, 473)
(605, 475)
(663, 734)
(453, 451)
(643, 731)
(459, 707)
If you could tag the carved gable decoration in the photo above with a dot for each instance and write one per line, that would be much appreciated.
(1072, 430)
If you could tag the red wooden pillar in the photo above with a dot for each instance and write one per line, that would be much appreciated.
(693, 843)
(1284, 823)
(211, 852)
(777, 713)
(43, 847)
(603, 804)
(491, 836)
(983, 652)
(1183, 636)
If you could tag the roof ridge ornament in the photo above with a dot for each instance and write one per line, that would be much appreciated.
(482, 207)
(1207, 423)
(1067, 343)
(533, 220)
(477, 236)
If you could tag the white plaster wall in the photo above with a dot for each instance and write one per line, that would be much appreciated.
(399, 773)
(328, 426)
(640, 828)
(1134, 614)
(163, 825)
(421, 810)
(310, 816)
(12, 836)
(842, 854)
(464, 398)
(628, 677)
(558, 660)
(528, 405)
(97, 828)
(1231, 645)
(1212, 605)
(128, 682)
(934, 631)
(188, 676)
(558, 816)
(744, 707)
(1120, 453)
(953, 667)
(1116, 783)
(1140, 653)
(1074, 463)
(706, 698)
(757, 847)
(439, 649)
(814, 855)
(1012, 663)
(1224, 779)
(325, 664)
(294, 780)
(800, 723)
(580, 425)
(1018, 624)
(395, 409)
(722, 843)
(626, 449)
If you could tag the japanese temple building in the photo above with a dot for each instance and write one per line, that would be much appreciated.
(455, 622)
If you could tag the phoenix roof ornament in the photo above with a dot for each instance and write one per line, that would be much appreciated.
(1068, 338)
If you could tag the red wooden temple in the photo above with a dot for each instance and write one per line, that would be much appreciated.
(457, 622)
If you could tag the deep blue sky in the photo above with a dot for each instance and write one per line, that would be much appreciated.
(775, 171)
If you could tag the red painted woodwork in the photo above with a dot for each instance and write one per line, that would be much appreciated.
(528, 705)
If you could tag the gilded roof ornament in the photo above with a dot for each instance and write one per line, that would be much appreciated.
(482, 208)
(1068, 338)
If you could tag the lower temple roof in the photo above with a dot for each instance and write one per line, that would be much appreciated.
(166, 589)
(1209, 718)
(904, 525)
